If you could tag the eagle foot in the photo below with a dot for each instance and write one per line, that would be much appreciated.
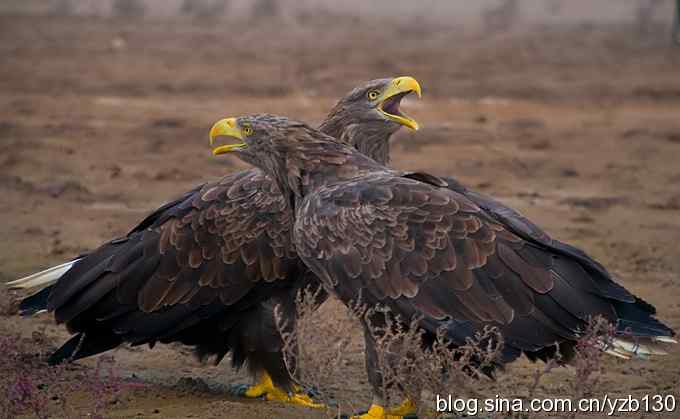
(266, 389)
(406, 410)
(299, 399)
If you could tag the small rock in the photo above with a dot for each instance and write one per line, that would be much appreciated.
(34, 231)
(595, 202)
(167, 123)
(542, 144)
(673, 137)
(56, 189)
(583, 219)
(524, 124)
(170, 174)
(115, 171)
(568, 173)
(673, 204)
(636, 133)
(484, 185)
(7, 128)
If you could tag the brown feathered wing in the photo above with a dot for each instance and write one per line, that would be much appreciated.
(431, 251)
(196, 262)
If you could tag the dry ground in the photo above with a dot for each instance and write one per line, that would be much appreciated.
(101, 121)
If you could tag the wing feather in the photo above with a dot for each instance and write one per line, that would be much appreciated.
(422, 249)
(213, 247)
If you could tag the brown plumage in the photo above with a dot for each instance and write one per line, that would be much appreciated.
(426, 246)
(208, 268)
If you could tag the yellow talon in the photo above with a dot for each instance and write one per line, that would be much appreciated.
(406, 408)
(299, 399)
(379, 412)
(265, 387)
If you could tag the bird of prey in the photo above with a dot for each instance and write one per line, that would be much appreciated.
(209, 268)
(423, 248)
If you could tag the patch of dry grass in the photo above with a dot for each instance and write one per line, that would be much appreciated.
(31, 388)
(323, 346)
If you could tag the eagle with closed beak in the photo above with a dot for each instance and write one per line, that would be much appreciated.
(424, 247)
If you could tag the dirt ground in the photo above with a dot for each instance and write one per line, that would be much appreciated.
(102, 121)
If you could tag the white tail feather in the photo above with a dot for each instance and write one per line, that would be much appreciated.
(42, 279)
(639, 348)
(643, 349)
(665, 339)
(616, 354)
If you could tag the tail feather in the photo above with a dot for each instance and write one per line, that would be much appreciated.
(614, 352)
(665, 339)
(44, 278)
(83, 345)
(35, 303)
(643, 348)
(639, 334)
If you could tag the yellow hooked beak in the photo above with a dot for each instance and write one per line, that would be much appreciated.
(227, 127)
(389, 101)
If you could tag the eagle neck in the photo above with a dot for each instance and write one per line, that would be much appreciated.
(372, 139)
(318, 165)
(374, 144)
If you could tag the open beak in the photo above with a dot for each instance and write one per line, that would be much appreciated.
(227, 127)
(391, 99)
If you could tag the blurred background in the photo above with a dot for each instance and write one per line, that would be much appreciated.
(285, 46)
(568, 110)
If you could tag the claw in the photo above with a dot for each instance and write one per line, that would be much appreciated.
(239, 390)
(266, 388)
(257, 390)
(406, 408)
(299, 399)
(379, 412)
